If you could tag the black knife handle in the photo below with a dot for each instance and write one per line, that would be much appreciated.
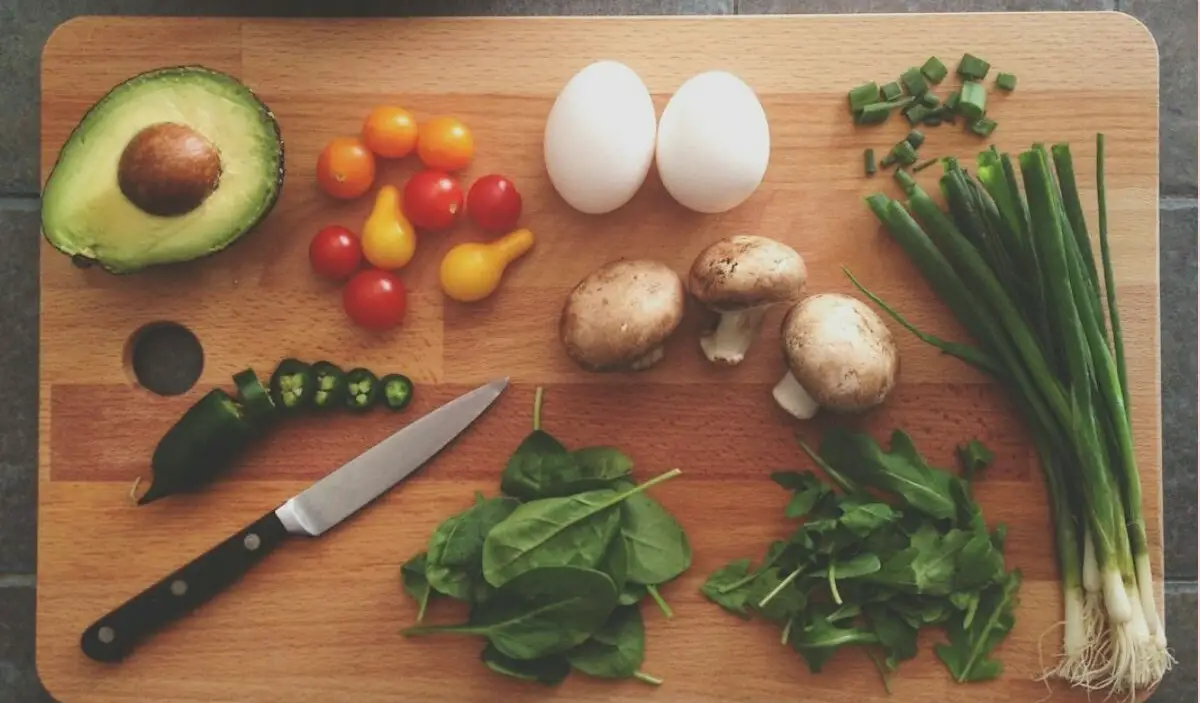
(114, 636)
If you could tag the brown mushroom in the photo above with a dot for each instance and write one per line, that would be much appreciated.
(840, 356)
(168, 169)
(618, 317)
(740, 278)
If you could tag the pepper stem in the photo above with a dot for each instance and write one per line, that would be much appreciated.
(537, 408)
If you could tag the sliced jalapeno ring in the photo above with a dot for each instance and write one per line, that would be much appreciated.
(397, 391)
(292, 385)
(362, 389)
(330, 383)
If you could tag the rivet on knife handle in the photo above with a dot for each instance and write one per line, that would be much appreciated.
(113, 637)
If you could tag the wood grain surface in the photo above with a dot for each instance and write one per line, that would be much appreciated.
(320, 620)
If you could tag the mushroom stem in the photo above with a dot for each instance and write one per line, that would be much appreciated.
(648, 359)
(735, 332)
(792, 397)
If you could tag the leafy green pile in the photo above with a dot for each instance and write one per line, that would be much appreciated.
(555, 568)
(901, 547)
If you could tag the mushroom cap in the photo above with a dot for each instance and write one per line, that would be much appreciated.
(840, 351)
(745, 271)
(620, 313)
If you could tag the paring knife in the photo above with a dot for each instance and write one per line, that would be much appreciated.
(311, 513)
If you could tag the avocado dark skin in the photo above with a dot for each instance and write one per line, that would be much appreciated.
(184, 179)
(169, 169)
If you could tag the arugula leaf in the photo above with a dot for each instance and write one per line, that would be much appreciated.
(729, 588)
(972, 458)
(453, 564)
(784, 594)
(966, 655)
(542, 611)
(864, 518)
(807, 491)
(551, 670)
(897, 637)
(819, 639)
(901, 470)
(926, 567)
(412, 573)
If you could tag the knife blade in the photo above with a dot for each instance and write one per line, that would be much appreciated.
(310, 513)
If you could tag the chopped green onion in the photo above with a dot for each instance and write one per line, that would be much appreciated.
(863, 95)
(914, 82)
(888, 160)
(917, 113)
(933, 119)
(1006, 82)
(983, 126)
(972, 102)
(876, 113)
(916, 138)
(869, 162)
(951, 102)
(930, 100)
(904, 152)
(891, 91)
(924, 165)
(934, 70)
(973, 68)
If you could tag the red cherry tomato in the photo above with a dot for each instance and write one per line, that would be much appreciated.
(335, 252)
(494, 204)
(432, 200)
(375, 299)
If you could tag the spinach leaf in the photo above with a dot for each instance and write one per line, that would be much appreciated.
(542, 611)
(412, 573)
(901, 471)
(807, 491)
(454, 558)
(729, 588)
(616, 564)
(537, 463)
(656, 546)
(616, 650)
(632, 593)
(551, 670)
(966, 656)
(572, 530)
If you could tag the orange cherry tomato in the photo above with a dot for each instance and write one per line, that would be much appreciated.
(390, 132)
(345, 168)
(445, 144)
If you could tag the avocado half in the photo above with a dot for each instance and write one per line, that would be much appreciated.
(171, 165)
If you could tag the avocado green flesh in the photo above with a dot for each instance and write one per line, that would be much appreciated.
(84, 212)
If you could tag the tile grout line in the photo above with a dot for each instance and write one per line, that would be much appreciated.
(1176, 202)
(24, 202)
(18, 580)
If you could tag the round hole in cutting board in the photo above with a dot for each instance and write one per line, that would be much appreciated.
(164, 358)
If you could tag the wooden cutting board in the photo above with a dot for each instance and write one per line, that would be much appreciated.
(320, 620)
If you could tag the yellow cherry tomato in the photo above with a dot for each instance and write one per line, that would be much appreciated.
(472, 271)
(388, 239)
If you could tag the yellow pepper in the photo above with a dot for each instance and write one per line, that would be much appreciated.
(388, 239)
(472, 271)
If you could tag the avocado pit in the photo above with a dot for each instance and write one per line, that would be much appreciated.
(168, 169)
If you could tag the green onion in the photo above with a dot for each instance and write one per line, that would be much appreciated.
(930, 100)
(914, 82)
(905, 153)
(917, 113)
(916, 138)
(863, 95)
(983, 126)
(924, 165)
(951, 102)
(973, 68)
(972, 101)
(888, 160)
(933, 119)
(877, 113)
(869, 162)
(934, 70)
(1006, 82)
(1042, 334)
(891, 91)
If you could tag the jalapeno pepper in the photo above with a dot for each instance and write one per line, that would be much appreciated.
(330, 383)
(200, 445)
(260, 409)
(397, 391)
(293, 385)
(362, 389)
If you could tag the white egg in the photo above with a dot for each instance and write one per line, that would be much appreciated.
(599, 140)
(713, 142)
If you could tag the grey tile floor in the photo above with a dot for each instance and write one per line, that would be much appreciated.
(25, 24)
